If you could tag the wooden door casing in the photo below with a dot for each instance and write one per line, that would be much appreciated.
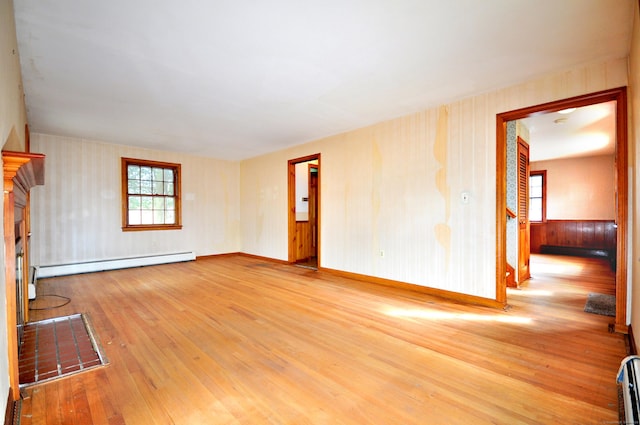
(292, 233)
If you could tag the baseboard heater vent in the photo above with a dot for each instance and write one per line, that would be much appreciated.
(629, 390)
(119, 263)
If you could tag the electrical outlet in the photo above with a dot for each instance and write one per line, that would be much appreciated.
(464, 197)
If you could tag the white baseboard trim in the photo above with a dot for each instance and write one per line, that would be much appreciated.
(113, 264)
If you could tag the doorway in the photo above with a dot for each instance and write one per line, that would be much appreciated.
(304, 211)
(619, 96)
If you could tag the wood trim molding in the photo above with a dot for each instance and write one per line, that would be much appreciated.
(501, 206)
(10, 292)
(633, 349)
(260, 257)
(440, 293)
(211, 256)
(22, 169)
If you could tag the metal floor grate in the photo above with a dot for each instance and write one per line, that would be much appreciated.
(57, 347)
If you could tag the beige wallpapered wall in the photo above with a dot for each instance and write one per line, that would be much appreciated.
(382, 188)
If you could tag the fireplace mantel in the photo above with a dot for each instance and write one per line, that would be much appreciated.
(22, 171)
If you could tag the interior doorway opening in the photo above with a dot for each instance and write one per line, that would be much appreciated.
(304, 211)
(621, 202)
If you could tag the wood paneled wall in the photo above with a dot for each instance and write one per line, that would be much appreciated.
(594, 234)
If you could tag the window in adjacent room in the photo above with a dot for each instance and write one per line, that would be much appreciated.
(537, 196)
(150, 195)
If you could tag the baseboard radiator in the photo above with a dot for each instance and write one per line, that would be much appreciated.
(629, 389)
(113, 264)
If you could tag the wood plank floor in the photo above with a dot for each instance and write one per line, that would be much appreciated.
(238, 340)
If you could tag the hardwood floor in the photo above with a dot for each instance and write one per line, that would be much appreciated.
(237, 340)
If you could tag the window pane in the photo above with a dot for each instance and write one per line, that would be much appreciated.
(168, 189)
(158, 217)
(171, 204)
(147, 217)
(170, 217)
(158, 203)
(134, 217)
(168, 175)
(145, 173)
(158, 188)
(535, 181)
(536, 192)
(147, 203)
(158, 174)
(133, 186)
(133, 172)
(134, 202)
(535, 209)
(145, 187)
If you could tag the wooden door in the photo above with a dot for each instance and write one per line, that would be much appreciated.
(524, 229)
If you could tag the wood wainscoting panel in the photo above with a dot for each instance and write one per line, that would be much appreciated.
(587, 234)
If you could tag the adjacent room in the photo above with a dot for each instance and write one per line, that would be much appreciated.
(347, 212)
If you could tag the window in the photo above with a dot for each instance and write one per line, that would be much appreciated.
(537, 196)
(150, 195)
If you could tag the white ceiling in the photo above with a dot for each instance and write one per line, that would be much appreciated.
(586, 131)
(236, 79)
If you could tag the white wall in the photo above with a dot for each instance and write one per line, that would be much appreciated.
(396, 186)
(302, 191)
(76, 215)
(580, 188)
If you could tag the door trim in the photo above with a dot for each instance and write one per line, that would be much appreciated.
(291, 211)
(620, 96)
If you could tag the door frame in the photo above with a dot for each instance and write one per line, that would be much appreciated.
(621, 158)
(291, 215)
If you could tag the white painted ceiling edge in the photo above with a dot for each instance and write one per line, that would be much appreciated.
(237, 79)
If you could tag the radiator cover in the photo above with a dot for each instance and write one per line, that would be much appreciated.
(113, 264)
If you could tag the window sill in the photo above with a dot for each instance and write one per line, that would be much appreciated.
(151, 227)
